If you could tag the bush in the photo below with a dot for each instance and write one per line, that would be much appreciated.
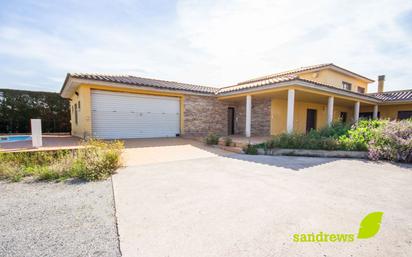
(338, 136)
(336, 130)
(96, 160)
(250, 149)
(358, 137)
(383, 139)
(312, 140)
(392, 142)
(212, 139)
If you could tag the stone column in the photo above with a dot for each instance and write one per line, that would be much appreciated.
(330, 110)
(248, 115)
(375, 112)
(290, 111)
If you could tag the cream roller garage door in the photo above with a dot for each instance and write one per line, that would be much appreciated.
(124, 115)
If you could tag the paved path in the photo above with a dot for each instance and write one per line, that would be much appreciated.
(181, 199)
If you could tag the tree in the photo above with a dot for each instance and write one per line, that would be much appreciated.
(17, 107)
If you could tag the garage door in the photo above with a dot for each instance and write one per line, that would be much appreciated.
(123, 115)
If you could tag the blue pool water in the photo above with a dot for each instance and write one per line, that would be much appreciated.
(8, 139)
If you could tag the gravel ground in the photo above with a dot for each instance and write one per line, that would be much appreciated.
(57, 219)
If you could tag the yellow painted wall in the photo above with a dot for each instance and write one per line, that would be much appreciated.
(334, 78)
(278, 116)
(84, 127)
(388, 111)
(279, 113)
(338, 109)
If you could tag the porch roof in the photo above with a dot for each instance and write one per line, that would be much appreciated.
(293, 80)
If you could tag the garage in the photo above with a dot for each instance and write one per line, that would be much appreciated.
(125, 115)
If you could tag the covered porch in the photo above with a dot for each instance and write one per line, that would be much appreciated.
(291, 109)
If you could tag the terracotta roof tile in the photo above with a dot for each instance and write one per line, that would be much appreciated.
(402, 95)
(139, 81)
(259, 83)
(391, 96)
(303, 69)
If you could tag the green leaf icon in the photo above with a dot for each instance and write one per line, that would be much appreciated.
(370, 225)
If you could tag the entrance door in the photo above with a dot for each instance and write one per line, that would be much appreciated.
(231, 120)
(343, 117)
(310, 120)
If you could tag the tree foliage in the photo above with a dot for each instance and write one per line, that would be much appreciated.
(17, 107)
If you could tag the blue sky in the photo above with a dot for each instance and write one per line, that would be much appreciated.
(215, 43)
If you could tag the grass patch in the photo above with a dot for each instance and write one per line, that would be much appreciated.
(95, 161)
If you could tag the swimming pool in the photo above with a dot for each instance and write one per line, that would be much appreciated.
(8, 139)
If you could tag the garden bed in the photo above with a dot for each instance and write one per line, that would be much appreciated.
(315, 153)
(373, 139)
(94, 160)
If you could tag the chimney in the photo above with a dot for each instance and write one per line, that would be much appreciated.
(381, 82)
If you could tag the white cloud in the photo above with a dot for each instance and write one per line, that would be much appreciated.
(248, 38)
(221, 42)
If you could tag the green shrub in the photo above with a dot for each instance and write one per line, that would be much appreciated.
(228, 141)
(212, 139)
(312, 140)
(358, 137)
(95, 160)
(381, 138)
(336, 130)
(250, 149)
(98, 160)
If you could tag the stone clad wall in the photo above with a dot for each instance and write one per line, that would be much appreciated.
(206, 114)
(203, 115)
(261, 108)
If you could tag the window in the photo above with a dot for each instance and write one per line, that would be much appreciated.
(367, 115)
(403, 115)
(75, 114)
(361, 90)
(346, 85)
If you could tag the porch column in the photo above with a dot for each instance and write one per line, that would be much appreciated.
(291, 108)
(248, 115)
(330, 110)
(375, 111)
(356, 112)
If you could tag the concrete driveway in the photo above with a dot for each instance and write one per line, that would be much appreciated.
(179, 198)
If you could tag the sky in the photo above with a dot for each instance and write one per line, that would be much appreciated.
(213, 43)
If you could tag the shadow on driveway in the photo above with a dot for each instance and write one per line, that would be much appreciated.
(288, 162)
(149, 151)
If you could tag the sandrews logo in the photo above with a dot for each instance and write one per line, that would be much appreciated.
(368, 228)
